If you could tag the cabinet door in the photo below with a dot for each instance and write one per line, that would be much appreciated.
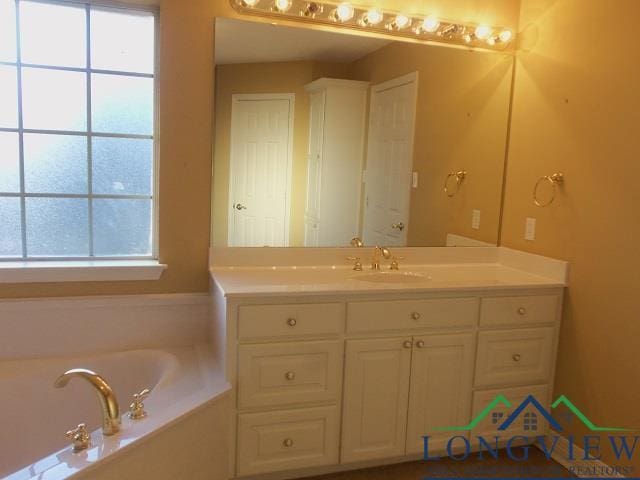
(376, 392)
(441, 383)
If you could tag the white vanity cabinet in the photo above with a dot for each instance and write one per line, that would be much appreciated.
(334, 161)
(333, 382)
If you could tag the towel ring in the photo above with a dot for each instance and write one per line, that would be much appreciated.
(459, 176)
(557, 179)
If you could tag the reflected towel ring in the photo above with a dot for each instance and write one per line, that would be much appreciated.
(557, 179)
(459, 176)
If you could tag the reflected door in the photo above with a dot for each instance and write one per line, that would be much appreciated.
(260, 170)
(389, 161)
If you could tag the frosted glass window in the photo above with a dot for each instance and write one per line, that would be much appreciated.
(55, 163)
(54, 99)
(7, 31)
(122, 227)
(122, 166)
(122, 104)
(53, 34)
(10, 230)
(129, 51)
(9, 163)
(57, 227)
(8, 96)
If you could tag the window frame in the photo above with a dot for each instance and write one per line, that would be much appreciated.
(89, 261)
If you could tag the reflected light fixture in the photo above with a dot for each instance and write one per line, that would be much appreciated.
(400, 22)
(483, 32)
(344, 12)
(505, 36)
(250, 3)
(372, 17)
(281, 6)
(430, 24)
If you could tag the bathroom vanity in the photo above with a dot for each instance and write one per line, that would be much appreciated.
(335, 369)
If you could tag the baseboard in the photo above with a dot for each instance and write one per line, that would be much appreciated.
(560, 455)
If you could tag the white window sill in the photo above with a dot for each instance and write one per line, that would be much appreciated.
(80, 271)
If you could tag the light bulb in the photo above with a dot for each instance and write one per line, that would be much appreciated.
(491, 41)
(401, 21)
(373, 17)
(430, 24)
(282, 5)
(505, 36)
(249, 3)
(344, 12)
(483, 32)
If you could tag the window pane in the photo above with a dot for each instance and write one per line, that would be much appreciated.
(122, 166)
(10, 234)
(54, 99)
(122, 104)
(55, 163)
(7, 31)
(53, 34)
(8, 97)
(131, 50)
(57, 227)
(121, 227)
(9, 163)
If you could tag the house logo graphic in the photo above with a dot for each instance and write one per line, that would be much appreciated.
(531, 418)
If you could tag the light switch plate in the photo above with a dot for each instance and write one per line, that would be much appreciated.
(530, 229)
(475, 220)
(414, 179)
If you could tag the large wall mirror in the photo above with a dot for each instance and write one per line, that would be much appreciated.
(321, 137)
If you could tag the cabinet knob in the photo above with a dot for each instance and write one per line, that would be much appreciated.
(292, 322)
(516, 357)
(522, 311)
(415, 315)
(290, 375)
(287, 442)
(407, 344)
(420, 344)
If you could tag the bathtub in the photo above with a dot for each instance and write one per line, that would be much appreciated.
(183, 436)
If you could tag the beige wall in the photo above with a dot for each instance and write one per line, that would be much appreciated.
(461, 124)
(577, 111)
(186, 76)
(286, 77)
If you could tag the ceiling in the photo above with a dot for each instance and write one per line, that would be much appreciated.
(239, 41)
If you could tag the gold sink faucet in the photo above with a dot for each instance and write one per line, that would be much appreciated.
(378, 252)
(108, 401)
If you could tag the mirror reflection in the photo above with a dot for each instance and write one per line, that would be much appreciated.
(321, 137)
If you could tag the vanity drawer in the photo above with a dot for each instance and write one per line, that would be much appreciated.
(268, 321)
(488, 427)
(512, 311)
(411, 314)
(289, 439)
(514, 356)
(284, 373)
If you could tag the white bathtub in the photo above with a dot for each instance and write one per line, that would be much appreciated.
(185, 430)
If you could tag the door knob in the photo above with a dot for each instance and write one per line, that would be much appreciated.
(239, 206)
(398, 226)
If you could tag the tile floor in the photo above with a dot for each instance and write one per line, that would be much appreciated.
(537, 466)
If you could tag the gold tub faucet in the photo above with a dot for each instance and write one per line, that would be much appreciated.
(108, 401)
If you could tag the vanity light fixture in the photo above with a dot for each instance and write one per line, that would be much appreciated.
(344, 12)
(425, 28)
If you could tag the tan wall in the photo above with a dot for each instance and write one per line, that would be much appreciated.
(577, 111)
(286, 77)
(461, 124)
(186, 76)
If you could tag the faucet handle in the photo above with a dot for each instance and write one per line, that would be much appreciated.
(80, 438)
(394, 263)
(136, 409)
(357, 266)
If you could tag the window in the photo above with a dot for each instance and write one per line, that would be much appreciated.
(76, 131)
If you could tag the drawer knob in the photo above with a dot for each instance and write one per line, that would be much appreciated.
(292, 322)
(420, 344)
(416, 315)
(522, 311)
(287, 442)
(516, 357)
(290, 375)
(407, 344)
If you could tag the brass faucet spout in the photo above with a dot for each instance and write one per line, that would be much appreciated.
(108, 400)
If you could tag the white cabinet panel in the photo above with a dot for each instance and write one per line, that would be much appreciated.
(516, 311)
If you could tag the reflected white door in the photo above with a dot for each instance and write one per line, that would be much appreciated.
(389, 161)
(260, 170)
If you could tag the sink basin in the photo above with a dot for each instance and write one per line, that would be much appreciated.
(393, 277)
